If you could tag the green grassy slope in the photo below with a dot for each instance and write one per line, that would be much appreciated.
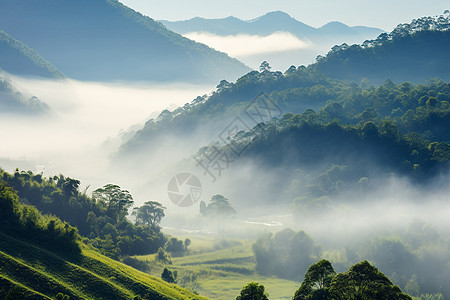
(221, 274)
(88, 276)
(6, 284)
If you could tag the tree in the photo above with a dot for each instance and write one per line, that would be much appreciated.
(219, 208)
(264, 66)
(150, 213)
(162, 256)
(392, 254)
(369, 129)
(187, 243)
(301, 253)
(223, 85)
(364, 281)
(317, 281)
(432, 102)
(253, 291)
(168, 276)
(175, 247)
(116, 200)
(70, 186)
(412, 286)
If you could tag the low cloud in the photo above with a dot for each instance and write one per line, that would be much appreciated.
(244, 45)
(85, 124)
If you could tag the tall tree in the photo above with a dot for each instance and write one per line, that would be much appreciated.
(317, 281)
(219, 208)
(151, 213)
(253, 291)
(70, 186)
(264, 66)
(364, 281)
(168, 276)
(115, 199)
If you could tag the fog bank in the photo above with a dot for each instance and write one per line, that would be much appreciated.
(86, 122)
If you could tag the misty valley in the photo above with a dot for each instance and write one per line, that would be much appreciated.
(137, 163)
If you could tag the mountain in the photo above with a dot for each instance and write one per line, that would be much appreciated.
(267, 24)
(226, 110)
(264, 25)
(239, 110)
(15, 101)
(105, 40)
(286, 41)
(411, 52)
(19, 59)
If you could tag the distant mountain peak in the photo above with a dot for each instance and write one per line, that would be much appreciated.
(334, 24)
(196, 19)
(278, 13)
(231, 18)
(278, 16)
(113, 42)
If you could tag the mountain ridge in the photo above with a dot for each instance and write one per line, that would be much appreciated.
(113, 42)
(268, 23)
(18, 58)
(414, 51)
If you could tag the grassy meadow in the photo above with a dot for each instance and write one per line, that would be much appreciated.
(219, 270)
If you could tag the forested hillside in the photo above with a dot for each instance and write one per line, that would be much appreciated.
(14, 101)
(113, 42)
(421, 108)
(101, 220)
(42, 257)
(318, 174)
(414, 52)
(411, 53)
(19, 59)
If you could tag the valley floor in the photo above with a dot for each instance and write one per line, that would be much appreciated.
(219, 270)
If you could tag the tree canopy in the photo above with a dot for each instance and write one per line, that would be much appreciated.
(253, 291)
(361, 281)
(117, 200)
(101, 219)
(220, 209)
(150, 213)
(317, 281)
(364, 281)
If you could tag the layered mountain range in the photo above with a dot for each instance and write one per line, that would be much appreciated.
(104, 40)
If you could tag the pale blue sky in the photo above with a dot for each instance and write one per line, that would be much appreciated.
(385, 14)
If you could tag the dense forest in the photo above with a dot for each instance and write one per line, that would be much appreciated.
(407, 257)
(399, 129)
(27, 222)
(319, 147)
(384, 57)
(102, 219)
(299, 88)
(42, 257)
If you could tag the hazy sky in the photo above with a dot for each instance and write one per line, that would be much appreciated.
(385, 14)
